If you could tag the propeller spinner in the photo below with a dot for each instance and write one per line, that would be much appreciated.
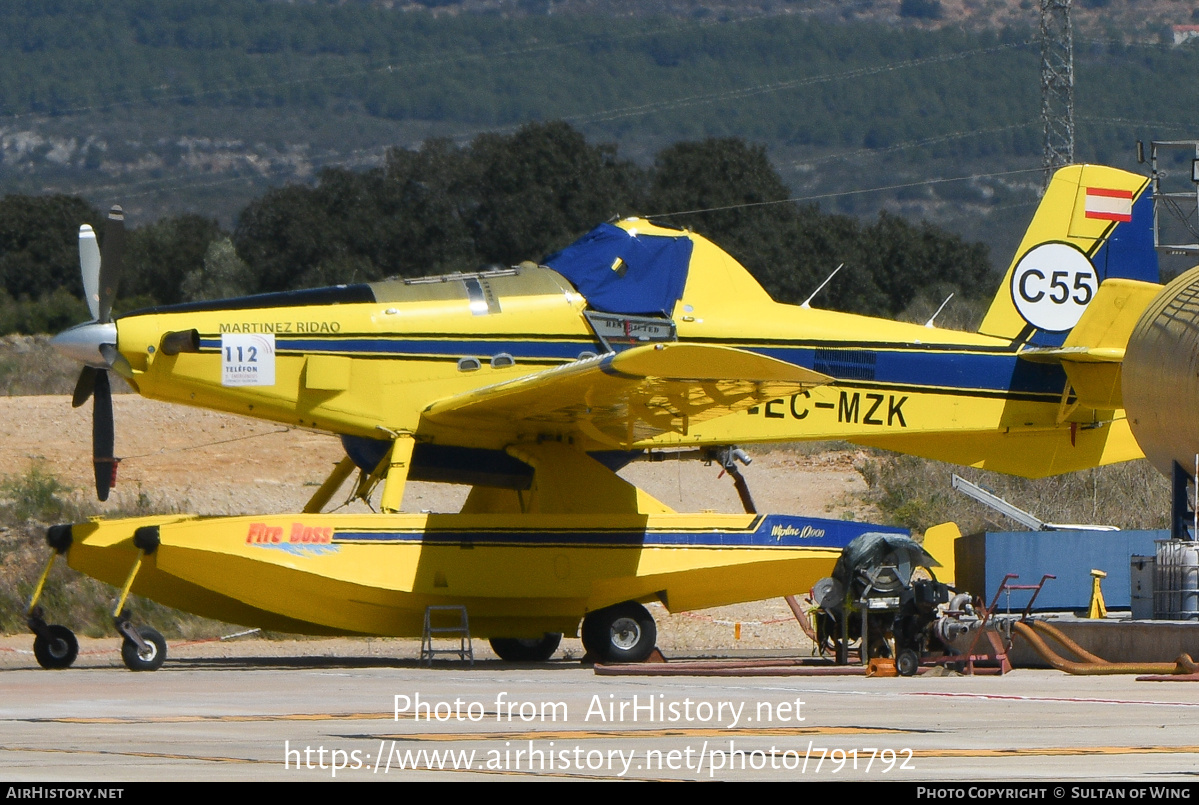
(94, 343)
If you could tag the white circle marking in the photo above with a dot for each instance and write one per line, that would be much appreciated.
(1052, 285)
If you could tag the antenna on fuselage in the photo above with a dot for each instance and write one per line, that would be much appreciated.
(933, 318)
(821, 285)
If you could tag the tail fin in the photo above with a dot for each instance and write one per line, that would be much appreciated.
(1093, 223)
(939, 541)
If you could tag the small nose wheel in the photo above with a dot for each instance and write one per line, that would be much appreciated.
(147, 652)
(143, 649)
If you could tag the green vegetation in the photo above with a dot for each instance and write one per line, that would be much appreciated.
(200, 105)
(28, 365)
(782, 79)
(500, 199)
(36, 495)
(492, 70)
(28, 504)
(916, 493)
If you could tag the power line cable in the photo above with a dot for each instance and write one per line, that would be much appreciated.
(636, 110)
(820, 196)
(1121, 121)
(958, 135)
(391, 67)
(759, 89)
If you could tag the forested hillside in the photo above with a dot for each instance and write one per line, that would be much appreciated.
(201, 107)
(500, 199)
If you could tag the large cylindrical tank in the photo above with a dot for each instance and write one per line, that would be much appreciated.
(1160, 376)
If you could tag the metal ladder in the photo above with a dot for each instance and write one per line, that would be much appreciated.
(461, 630)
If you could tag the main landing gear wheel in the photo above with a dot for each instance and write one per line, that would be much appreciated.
(56, 650)
(621, 633)
(526, 649)
(148, 659)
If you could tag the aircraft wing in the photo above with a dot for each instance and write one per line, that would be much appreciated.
(621, 398)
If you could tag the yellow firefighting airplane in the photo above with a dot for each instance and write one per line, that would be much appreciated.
(534, 384)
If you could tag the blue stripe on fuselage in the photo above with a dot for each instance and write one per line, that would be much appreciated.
(772, 531)
(888, 366)
(965, 370)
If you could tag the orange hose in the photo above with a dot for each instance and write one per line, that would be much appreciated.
(1061, 637)
(1183, 665)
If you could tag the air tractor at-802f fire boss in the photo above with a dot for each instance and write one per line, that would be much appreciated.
(536, 384)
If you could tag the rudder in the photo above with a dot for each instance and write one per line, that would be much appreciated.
(1093, 223)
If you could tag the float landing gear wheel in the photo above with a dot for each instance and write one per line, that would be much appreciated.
(149, 656)
(56, 647)
(621, 633)
(526, 649)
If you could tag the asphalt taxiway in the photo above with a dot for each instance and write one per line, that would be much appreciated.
(310, 717)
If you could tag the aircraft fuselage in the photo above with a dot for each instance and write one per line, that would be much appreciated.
(368, 360)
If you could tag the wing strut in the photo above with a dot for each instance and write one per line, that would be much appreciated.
(321, 497)
(399, 462)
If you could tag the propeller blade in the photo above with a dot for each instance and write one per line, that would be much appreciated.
(110, 265)
(118, 362)
(89, 263)
(84, 386)
(102, 435)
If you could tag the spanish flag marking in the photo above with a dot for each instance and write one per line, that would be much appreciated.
(1109, 205)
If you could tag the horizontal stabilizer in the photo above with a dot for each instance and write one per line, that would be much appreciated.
(619, 399)
(1108, 321)
(1093, 351)
(1075, 354)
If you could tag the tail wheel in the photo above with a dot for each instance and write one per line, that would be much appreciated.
(526, 649)
(149, 658)
(58, 650)
(621, 633)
